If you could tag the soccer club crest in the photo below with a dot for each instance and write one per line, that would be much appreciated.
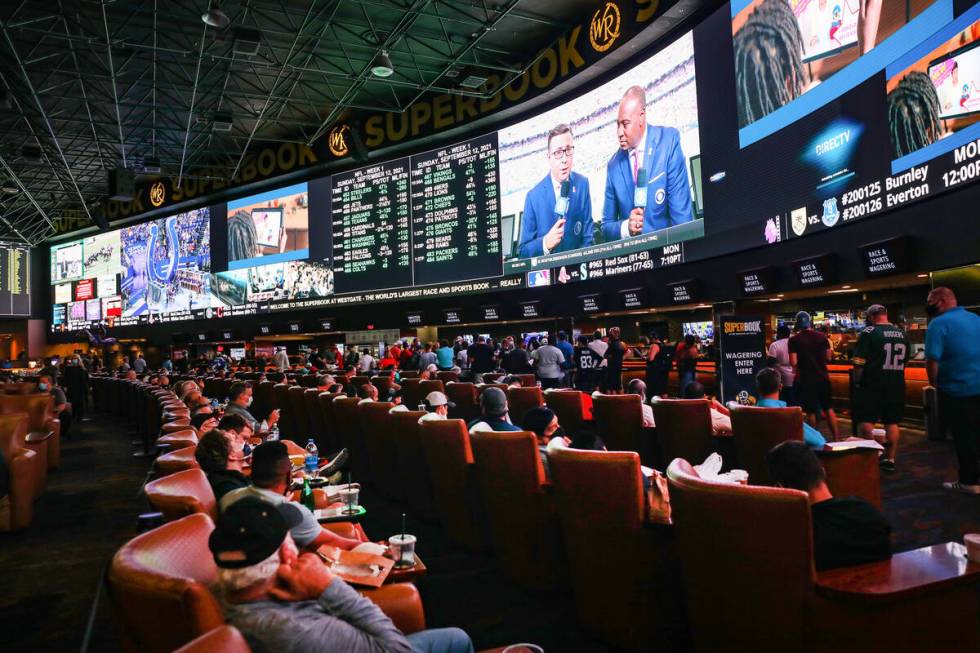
(831, 214)
(578, 229)
(660, 196)
(798, 220)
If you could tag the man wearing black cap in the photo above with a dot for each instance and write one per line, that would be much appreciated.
(271, 478)
(809, 352)
(282, 600)
(543, 422)
(493, 405)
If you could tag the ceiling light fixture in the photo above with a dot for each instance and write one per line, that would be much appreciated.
(216, 18)
(382, 66)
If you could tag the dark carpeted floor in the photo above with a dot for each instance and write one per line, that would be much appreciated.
(52, 570)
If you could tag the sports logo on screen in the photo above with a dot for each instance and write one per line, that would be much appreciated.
(604, 28)
(830, 212)
(337, 141)
(158, 194)
(798, 220)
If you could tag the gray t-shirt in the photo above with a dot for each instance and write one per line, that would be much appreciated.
(549, 360)
(340, 620)
(303, 533)
(427, 358)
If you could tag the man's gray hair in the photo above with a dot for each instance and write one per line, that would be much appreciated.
(234, 580)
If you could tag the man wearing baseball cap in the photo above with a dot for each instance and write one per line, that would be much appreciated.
(437, 404)
(282, 600)
(493, 405)
(271, 478)
(809, 352)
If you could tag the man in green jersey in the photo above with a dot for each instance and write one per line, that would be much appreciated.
(879, 379)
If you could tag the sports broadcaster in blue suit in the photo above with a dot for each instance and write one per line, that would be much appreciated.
(656, 151)
(543, 229)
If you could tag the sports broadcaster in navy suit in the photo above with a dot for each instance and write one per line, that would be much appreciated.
(543, 230)
(657, 151)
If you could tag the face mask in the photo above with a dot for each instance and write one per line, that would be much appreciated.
(559, 433)
(932, 310)
(249, 402)
(42, 386)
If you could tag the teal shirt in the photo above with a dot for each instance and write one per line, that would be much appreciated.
(811, 436)
(953, 341)
(444, 357)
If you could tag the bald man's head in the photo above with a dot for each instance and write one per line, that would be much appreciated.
(940, 300)
(632, 117)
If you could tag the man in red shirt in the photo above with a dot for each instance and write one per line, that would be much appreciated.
(809, 351)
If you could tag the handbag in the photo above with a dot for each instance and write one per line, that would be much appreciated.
(658, 499)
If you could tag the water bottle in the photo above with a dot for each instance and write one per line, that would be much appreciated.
(273, 435)
(312, 458)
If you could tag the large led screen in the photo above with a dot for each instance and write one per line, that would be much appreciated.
(613, 164)
(770, 120)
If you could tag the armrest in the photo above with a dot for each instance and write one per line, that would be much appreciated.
(915, 573)
(37, 437)
(346, 529)
(402, 603)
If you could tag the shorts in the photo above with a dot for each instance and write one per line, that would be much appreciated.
(813, 397)
(877, 404)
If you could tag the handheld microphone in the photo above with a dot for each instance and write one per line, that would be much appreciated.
(640, 192)
(562, 201)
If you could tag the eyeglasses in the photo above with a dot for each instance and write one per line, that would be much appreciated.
(564, 153)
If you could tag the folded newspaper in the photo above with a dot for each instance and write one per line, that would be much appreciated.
(362, 565)
(853, 444)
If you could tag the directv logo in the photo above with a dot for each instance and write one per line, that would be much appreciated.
(834, 142)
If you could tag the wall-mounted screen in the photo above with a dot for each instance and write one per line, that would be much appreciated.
(770, 120)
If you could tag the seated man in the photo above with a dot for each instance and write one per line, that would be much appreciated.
(236, 426)
(323, 382)
(721, 423)
(203, 419)
(397, 399)
(437, 406)
(639, 388)
(46, 384)
(219, 453)
(282, 600)
(543, 422)
(368, 392)
(847, 531)
(769, 382)
(493, 407)
(239, 400)
(272, 474)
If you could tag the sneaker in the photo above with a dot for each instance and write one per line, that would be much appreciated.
(965, 488)
(337, 462)
(887, 465)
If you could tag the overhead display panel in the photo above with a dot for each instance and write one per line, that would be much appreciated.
(15, 290)
(455, 212)
(372, 229)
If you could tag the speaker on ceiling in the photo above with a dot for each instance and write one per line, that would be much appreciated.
(122, 184)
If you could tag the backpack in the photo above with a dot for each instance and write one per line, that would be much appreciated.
(664, 360)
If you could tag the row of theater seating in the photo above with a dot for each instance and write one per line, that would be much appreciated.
(30, 441)
(168, 570)
(587, 530)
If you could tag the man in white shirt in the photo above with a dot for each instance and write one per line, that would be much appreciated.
(721, 423)
(281, 359)
(639, 388)
(437, 404)
(366, 363)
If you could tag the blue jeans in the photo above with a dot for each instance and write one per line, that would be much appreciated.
(686, 378)
(441, 640)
